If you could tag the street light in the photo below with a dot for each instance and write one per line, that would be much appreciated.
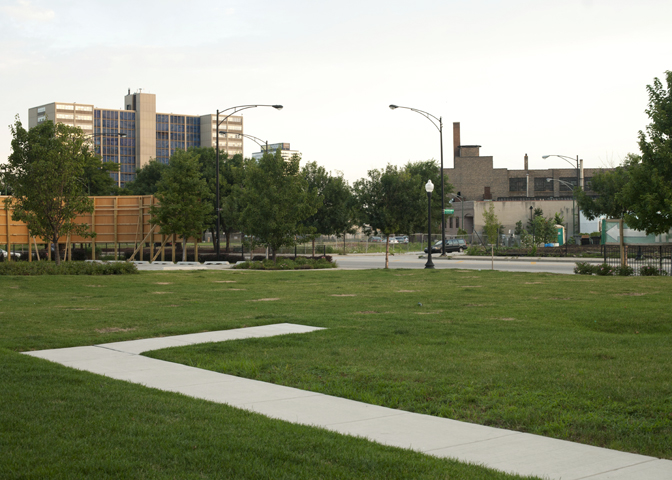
(570, 160)
(439, 127)
(235, 110)
(256, 140)
(429, 188)
(570, 186)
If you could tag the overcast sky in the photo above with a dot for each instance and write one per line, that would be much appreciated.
(521, 76)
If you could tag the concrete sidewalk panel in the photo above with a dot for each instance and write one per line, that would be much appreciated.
(421, 432)
(321, 410)
(73, 354)
(655, 469)
(527, 454)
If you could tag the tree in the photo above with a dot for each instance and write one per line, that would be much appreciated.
(275, 200)
(185, 206)
(391, 201)
(334, 216)
(492, 224)
(641, 190)
(147, 179)
(45, 175)
(97, 177)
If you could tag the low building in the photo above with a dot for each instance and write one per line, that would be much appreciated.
(285, 151)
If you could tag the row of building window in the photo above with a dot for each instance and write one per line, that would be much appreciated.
(542, 185)
(60, 106)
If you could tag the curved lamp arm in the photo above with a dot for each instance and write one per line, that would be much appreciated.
(427, 115)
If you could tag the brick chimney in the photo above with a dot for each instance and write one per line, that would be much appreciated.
(526, 162)
(456, 140)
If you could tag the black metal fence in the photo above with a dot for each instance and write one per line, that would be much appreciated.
(638, 256)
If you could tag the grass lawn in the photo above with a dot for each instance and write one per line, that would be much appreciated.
(573, 357)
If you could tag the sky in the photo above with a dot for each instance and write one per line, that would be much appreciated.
(532, 77)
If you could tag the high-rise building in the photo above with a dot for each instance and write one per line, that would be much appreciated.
(273, 147)
(134, 135)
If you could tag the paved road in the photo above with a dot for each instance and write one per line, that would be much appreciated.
(360, 262)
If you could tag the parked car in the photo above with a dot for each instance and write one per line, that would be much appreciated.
(452, 245)
(393, 240)
(375, 239)
(15, 255)
(402, 239)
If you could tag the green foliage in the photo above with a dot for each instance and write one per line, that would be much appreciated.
(604, 270)
(45, 173)
(625, 271)
(492, 224)
(519, 228)
(146, 179)
(335, 215)
(275, 199)
(584, 268)
(66, 268)
(651, 271)
(97, 177)
(608, 185)
(288, 264)
(184, 207)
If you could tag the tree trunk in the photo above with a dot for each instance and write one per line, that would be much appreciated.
(387, 252)
(184, 249)
(313, 247)
(228, 239)
(273, 249)
(57, 253)
(344, 252)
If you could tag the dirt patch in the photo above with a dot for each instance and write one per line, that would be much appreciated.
(95, 286)
(403, 274)
(15, 288)
(114, 329)
(161, 293)
(344, 295)
(225, 281)
(430, 313)
(163, 283)
(80, 309)
(507, 319)
(367, 312)
(236, 289)
(534, 283)
(632, 294)
(265, 300)
(406, 291)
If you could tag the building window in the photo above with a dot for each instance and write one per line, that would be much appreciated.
(41, 110)
(588, 183)
(564, 181)
(541, 185)
(517, 184)
(65, 107)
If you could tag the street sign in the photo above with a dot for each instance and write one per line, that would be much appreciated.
(449, 211)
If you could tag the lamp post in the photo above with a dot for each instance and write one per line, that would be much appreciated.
(256, 140)
(570, 186)
(429, 188)
(439, 127)
(570, 160)
(235, 110)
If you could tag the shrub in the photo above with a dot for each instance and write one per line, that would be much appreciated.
(67, 268)
(476, 251)
(604, 270)
(584, 268)
(301, 263)
(651, 271)
(624, 271)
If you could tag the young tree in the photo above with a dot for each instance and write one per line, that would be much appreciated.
(275, 200)
(44, 173)
(492, 224)
(185, 205)
(608, 185)
(334, 216)
(97, 177)
(391, 201)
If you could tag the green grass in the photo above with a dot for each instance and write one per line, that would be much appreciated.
(573, 357)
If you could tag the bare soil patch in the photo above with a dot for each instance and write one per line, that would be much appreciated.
(265, 300)
(225, 281)
(344, 295)
(631, 294)
(163, 283)
(406, 291)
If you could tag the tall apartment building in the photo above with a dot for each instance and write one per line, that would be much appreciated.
(147, 134)
(285, 151)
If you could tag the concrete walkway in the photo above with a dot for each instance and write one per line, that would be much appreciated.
(505, 450)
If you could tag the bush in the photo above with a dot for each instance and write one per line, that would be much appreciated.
(301, 263)
(584, 268)
(67, 268)
(476, 251)
(604, 270)
(624, 271)
(651, 271)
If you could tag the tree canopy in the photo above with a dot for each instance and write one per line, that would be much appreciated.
(147, 179)
(45, 173)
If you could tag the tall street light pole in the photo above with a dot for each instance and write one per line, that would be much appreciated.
(429, 188)
(439, 127)
(570, 160)
(567, 184)
(235, 110)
